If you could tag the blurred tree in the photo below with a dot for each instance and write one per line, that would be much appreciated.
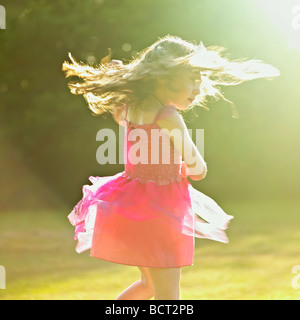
(54, 130)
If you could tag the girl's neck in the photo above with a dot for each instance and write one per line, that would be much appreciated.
(158, 100)
(152, 103)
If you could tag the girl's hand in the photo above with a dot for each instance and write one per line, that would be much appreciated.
(184, 169)
(185, 172)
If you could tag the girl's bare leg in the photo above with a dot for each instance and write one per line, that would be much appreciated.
(166, 283)
(139, 290)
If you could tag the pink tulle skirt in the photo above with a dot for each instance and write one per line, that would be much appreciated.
(125, 221)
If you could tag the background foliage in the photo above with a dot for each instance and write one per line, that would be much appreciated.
(48, 136)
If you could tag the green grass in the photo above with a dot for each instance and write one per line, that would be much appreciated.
(37, 251)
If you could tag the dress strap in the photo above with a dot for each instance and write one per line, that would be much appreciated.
(126, 111)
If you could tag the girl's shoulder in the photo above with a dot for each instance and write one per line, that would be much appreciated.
(166, 112)
(169, 118)
(140, 117)
(119, 114)
(165, 116)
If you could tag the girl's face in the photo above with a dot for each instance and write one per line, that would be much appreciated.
(183, 88)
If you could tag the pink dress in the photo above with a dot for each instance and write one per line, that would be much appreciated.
(149, 214)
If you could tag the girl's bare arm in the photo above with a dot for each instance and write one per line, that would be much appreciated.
(194, 165)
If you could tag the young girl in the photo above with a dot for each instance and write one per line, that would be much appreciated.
(148, 215)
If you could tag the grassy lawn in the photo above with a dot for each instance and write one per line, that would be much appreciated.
(37, 251)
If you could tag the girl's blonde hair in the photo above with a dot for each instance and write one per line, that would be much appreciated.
(110, 85)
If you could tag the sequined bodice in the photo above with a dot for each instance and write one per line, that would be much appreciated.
(149, 152)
